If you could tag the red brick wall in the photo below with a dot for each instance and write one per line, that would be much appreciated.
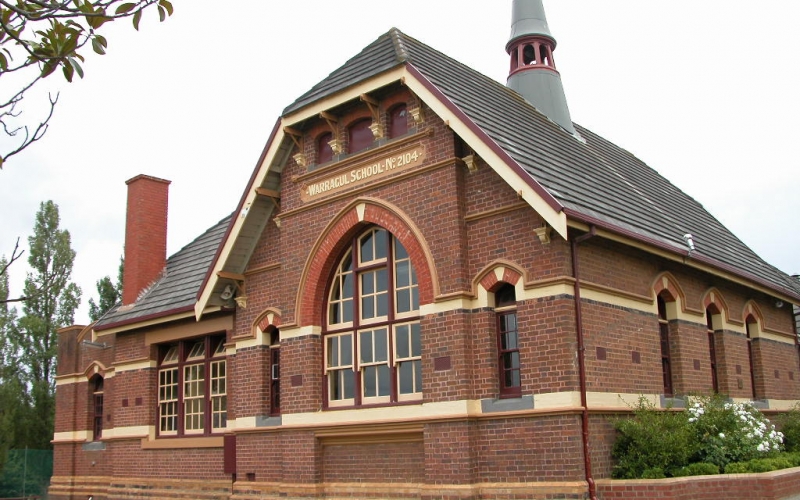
(249, 382)
(541, 448)
(547, 350)
(776, 361)
(623, 352)
(768, 486)
(374, 462)
(130, 460)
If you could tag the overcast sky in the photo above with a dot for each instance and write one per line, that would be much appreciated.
(705, 92)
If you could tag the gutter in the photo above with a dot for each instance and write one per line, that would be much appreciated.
(587, 457)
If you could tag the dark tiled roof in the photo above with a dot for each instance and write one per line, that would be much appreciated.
(177, 288)
(595, 181)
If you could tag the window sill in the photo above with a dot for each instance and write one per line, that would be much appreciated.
(184, 442)
(387, 404)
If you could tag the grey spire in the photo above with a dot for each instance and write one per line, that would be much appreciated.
(533, 71)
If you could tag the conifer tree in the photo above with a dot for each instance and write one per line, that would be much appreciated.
(51, 303)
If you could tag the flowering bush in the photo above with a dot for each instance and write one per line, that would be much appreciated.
(704, 439)
(728, 432)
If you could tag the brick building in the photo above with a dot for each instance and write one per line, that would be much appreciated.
(434, 286)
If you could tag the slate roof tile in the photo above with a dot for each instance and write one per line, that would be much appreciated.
(178, 286)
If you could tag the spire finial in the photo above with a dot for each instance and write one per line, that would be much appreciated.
(533, 70)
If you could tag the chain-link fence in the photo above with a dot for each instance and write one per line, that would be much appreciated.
(26, 473)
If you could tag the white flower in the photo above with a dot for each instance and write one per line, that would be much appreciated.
(722, 435)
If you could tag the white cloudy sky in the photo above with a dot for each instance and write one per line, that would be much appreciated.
(705, 91)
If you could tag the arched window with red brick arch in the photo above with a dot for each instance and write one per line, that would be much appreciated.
(96, 411)
(508, 357)
(713, 318)
(751, 330)
(372, 339)
(666, 348)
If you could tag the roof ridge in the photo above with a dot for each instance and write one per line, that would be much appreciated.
(397, 42)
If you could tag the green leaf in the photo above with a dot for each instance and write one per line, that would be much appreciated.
(126, 7)
(3, 62)
(76, 66)
(167, 5)
(1, 162)
(49, 67)
(136, 18)
(68, 71)
(98, 47)
(162, 14)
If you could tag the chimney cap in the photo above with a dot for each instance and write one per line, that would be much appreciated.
(528, 19)
(147, 177)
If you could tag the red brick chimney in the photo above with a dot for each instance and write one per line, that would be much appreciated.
(145, 234)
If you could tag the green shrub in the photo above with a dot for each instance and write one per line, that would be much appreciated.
(757, 465)
(736, 468)
(654, 473)
(793, 458)
(651, 439)
(789, 423)
(696, 469)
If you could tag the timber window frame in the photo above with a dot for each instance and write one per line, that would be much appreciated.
(372, 338)
(96, 385)
(508, 353)
(192, 388)
(666, 348)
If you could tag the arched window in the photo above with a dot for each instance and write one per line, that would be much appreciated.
(274, 372)
(751, 327)
(712, 314)
(666, 361)
(360, 135)
(96, 386)
(398, 121)
(324, 151)
(373, 349)
(508, 360)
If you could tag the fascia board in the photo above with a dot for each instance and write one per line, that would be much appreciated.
(239, 219)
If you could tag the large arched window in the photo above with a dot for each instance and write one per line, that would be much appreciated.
(372, 336)
(360, 135)
(508, 341)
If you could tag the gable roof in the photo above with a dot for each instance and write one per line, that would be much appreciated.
(176, 290)
(592, 181)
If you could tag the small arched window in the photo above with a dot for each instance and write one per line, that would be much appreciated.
(751, 328)
(398, 121)
(274, 372)
(324, 151)
(666, 357)
(508, 341)
(96, 386)
(712, 316)
(360, 135)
